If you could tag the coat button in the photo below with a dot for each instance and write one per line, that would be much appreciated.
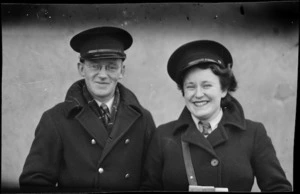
(214, 162)
(93, 141)
(101, 170)
(127, 176)
(127, 141)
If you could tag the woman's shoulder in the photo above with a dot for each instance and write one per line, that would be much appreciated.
(255, 127)
(167, 124)
(253, 124)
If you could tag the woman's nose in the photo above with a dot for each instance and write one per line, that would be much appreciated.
(199, 92)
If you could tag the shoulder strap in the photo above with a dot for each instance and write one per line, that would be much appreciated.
(188, 163)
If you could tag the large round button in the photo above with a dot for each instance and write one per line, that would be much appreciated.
(93, 141)
(101, 170)
(214, 162)
(127, 176)
(127, 141)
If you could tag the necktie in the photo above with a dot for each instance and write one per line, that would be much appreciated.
(105, 115)
(205, 126)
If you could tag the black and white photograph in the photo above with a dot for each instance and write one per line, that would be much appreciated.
(115, 97)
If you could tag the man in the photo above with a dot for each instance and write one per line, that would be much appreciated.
(96, 139)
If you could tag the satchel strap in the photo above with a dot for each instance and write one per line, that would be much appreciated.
(188, 163)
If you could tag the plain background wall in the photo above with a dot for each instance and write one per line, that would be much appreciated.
(38, 65)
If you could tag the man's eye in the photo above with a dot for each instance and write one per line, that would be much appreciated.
(112, 67)
(94, 66)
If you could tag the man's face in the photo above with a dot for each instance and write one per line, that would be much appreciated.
(203, 93)
(101, 76)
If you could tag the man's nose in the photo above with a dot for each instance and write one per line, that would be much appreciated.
(102, 71)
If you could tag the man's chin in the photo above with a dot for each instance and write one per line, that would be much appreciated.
(102, 94)
(101, 87)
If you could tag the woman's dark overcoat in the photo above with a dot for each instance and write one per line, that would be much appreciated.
(231, 156)
(72, 148)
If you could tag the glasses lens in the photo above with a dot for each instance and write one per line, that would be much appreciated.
(111, 68)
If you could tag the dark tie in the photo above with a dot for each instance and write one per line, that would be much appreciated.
(105, 115)
(205, 126)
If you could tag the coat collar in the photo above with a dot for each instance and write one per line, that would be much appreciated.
(186, 127)
(231, 116)
(234, 115)
(75, 101)
(77, 107)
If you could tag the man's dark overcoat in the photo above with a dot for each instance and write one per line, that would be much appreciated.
(230, 156)
(72, 149)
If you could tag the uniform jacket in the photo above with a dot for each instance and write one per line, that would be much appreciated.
(231, 156)
(72, 149)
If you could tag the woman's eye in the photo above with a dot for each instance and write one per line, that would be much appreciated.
(190, 86)
(207, 86)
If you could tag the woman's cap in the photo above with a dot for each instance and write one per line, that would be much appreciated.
(102, 42)
(197, 52)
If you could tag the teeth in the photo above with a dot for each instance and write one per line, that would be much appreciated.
(200, 103)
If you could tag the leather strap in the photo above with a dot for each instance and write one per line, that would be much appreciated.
(188, 163)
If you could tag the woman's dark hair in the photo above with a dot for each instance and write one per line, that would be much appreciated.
(226, 76)
(81, 60)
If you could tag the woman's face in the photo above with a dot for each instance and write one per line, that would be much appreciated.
(203, 93)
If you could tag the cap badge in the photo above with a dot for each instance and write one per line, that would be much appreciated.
(203, 60)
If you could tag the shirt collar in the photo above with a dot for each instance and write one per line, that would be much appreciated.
(108, 103)
(213, 123)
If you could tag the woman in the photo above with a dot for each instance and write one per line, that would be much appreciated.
(231, 152)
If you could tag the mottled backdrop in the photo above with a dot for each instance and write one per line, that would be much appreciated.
(38, 65)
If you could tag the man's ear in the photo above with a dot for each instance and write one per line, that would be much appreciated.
(122, 72)
(80, 69)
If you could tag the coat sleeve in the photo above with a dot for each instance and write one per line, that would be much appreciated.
(152, 171)
(42, 164)
(268, 171)
(149, 127)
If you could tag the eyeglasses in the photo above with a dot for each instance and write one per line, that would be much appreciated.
(110, 68)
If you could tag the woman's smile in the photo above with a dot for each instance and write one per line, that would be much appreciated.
(200, 103)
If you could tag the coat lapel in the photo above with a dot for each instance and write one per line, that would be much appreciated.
(93, 125)
(232, 116)
(192, 134)
(218, 136)
(76, 106)
(125, 118)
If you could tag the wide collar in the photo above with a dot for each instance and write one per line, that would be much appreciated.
(129, 110)
(189, 133)
(75, 101)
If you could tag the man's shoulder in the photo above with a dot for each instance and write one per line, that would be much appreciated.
(73, 101)
(129, 98)
(57, 108)
(63, 109)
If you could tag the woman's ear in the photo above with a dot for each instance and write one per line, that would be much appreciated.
(224, 93)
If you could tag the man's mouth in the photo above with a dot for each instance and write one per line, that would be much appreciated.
(102, 83)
